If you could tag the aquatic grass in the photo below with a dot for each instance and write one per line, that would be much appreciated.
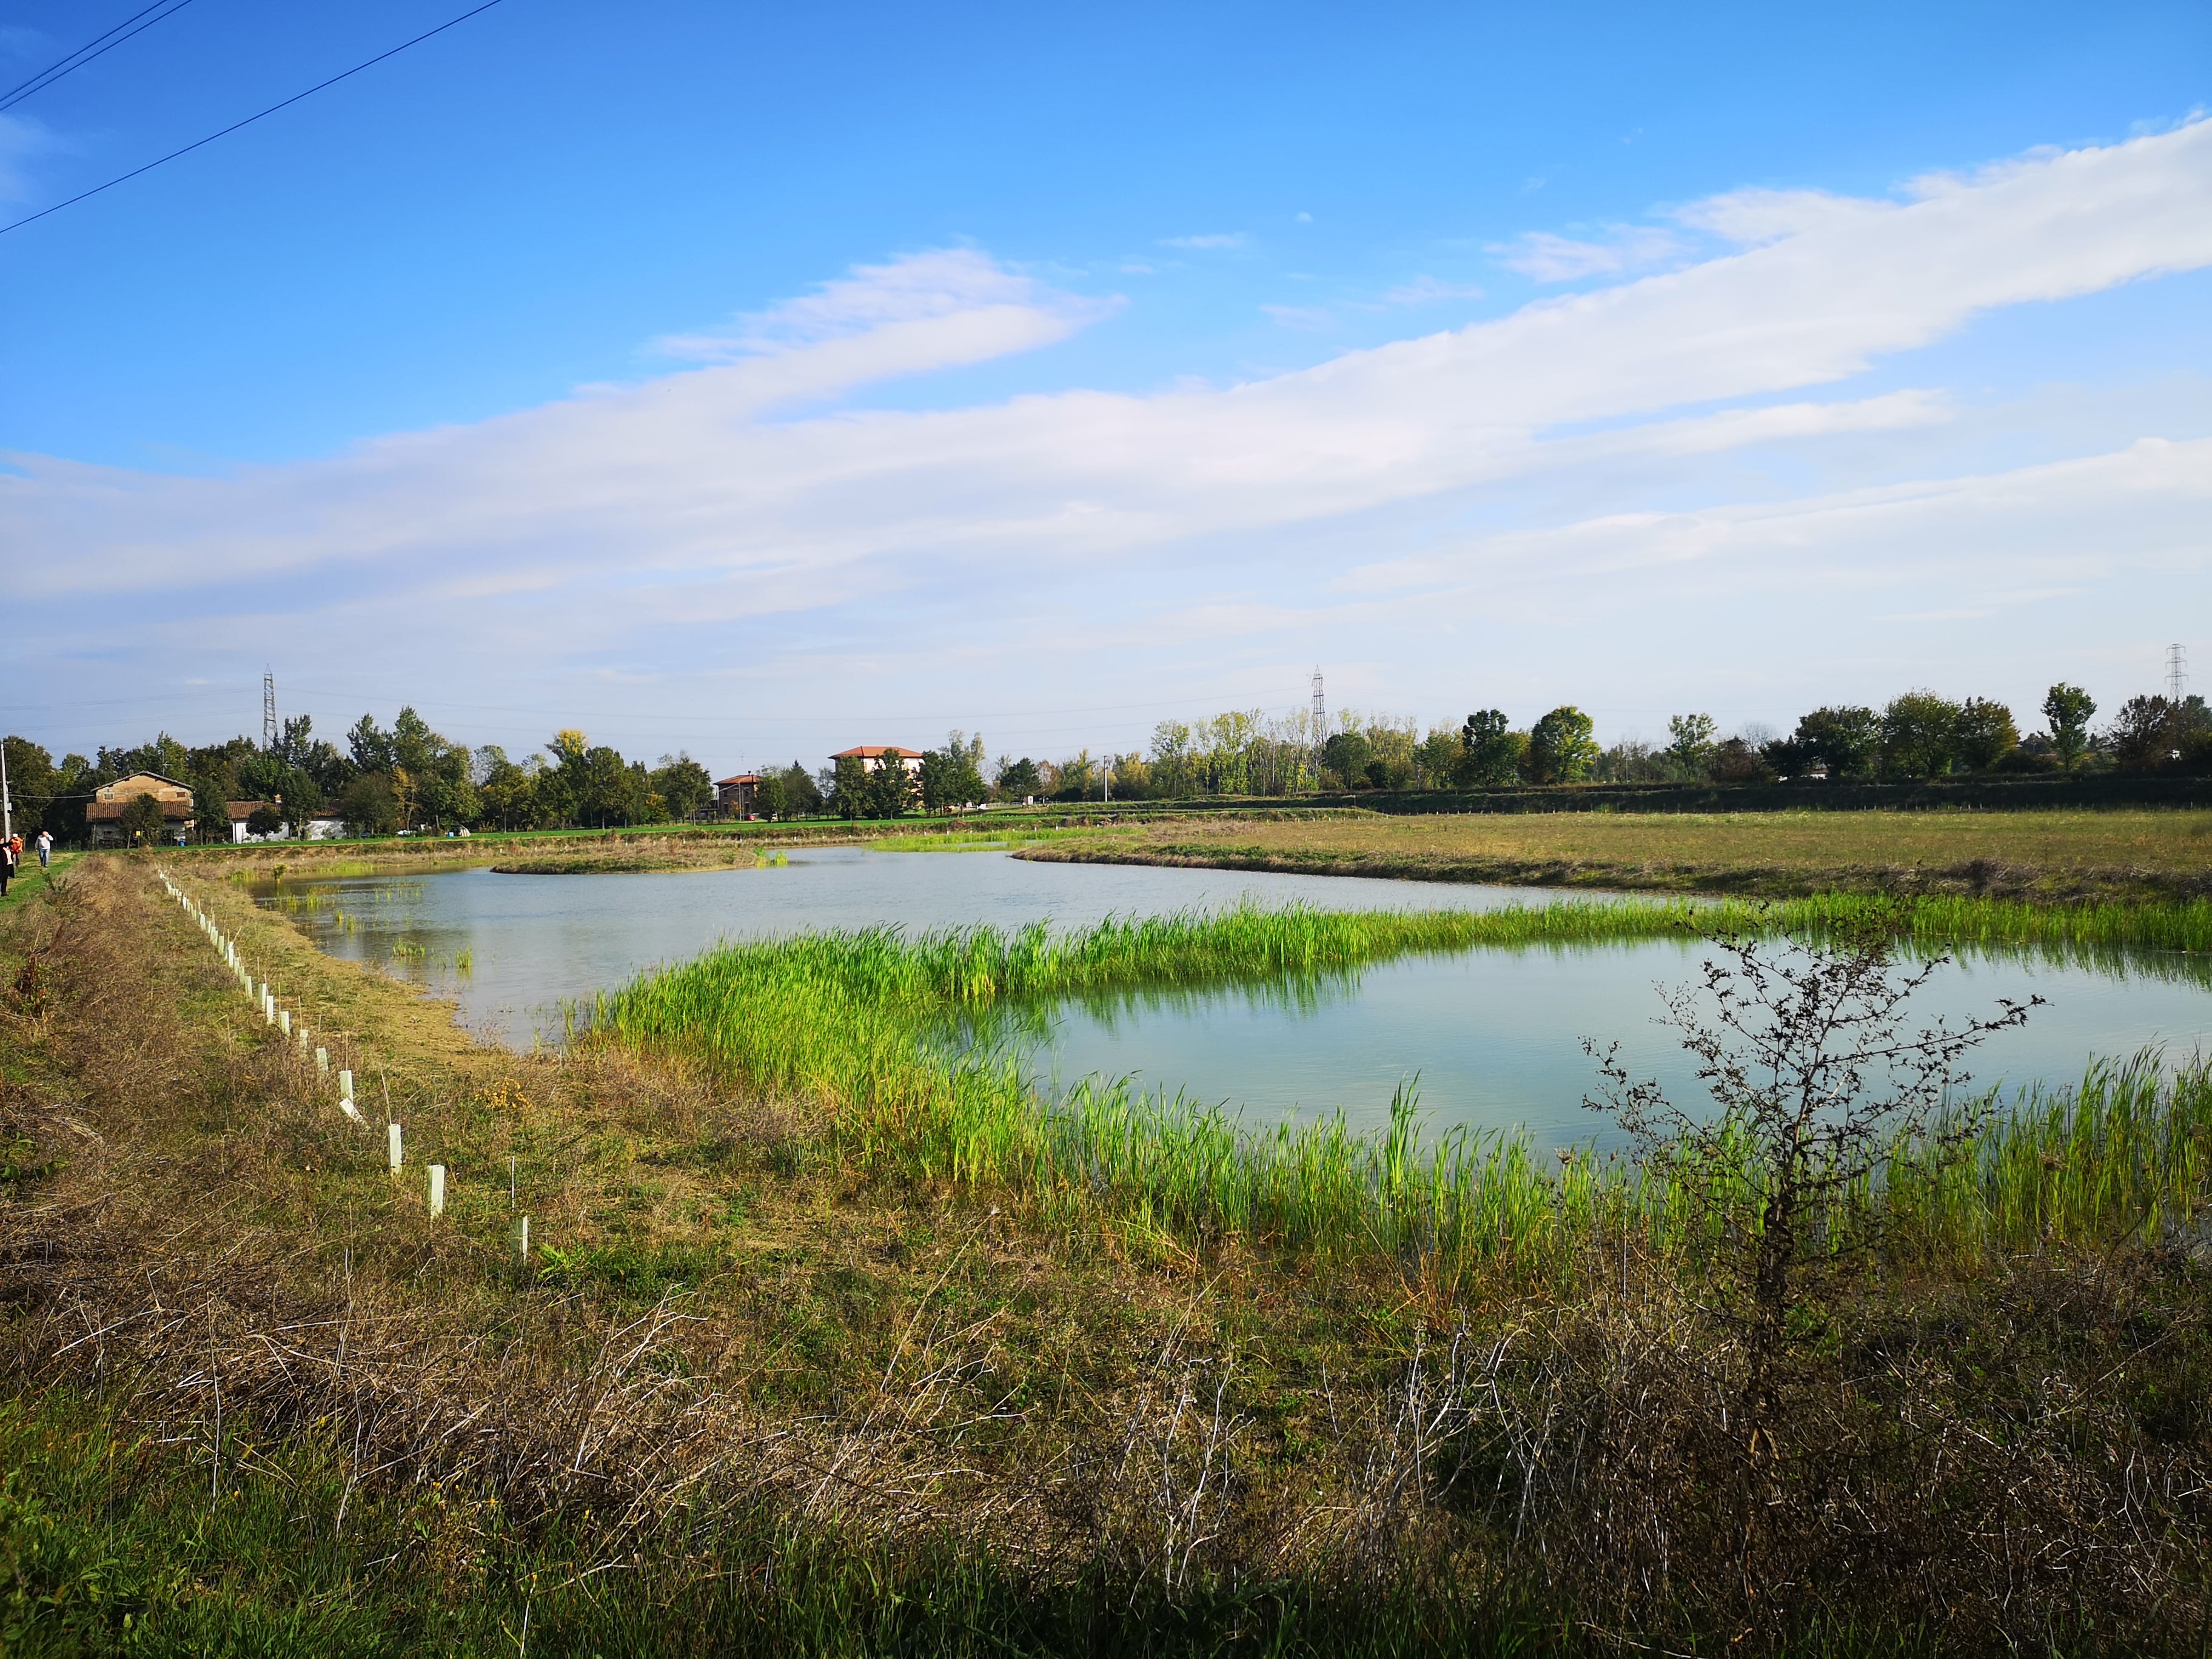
(858, 1024)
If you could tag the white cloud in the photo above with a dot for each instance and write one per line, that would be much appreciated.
(915, 287)
(22, 141)
(1221, 239)
(628, 527)
(1306, 319)
(1549, 259)
(1754, 217)
(2145, 503)
(1428, 291)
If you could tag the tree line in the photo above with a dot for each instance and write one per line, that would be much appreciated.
(410, 777)
(384, 780)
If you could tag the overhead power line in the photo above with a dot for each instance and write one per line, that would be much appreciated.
(84, 54)
(249, 120)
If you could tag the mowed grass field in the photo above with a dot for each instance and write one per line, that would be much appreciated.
(2058, 856)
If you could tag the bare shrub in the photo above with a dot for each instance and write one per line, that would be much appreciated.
(1817, 1088)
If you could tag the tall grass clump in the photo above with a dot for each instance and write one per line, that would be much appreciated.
(855, 1025)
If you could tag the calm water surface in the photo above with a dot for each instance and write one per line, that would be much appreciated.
(1494, 1035)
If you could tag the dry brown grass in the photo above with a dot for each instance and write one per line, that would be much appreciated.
(873, 1359)
(2056, 855)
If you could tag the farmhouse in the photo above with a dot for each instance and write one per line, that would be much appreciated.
(734, 797)
(873, 755)
(103, 816)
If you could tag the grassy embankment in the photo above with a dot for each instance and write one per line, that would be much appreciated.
(2046, 857)
(817, 1362)
(597, 852)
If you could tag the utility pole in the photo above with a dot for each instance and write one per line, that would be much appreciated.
(1320, 724)
(268, 711)
(1106, 772)
(2177, 673)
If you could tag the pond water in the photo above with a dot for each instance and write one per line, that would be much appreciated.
(1493, 1034)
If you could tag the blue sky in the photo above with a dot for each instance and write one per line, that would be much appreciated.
(759, 384)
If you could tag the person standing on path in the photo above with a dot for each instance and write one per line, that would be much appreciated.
(7, 857)
(45, 847)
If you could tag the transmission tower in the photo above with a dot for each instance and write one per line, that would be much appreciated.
(2177, 671)
(268, 710)
(1320, 708)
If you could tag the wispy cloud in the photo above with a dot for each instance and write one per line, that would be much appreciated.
(1550, 258)
(1219, 240)
(1428, 291)
(915, 287)
(22, 141)
(1305, 319)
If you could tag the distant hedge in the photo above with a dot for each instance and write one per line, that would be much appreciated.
(1989, 794)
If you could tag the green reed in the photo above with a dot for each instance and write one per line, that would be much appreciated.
(855, 1023)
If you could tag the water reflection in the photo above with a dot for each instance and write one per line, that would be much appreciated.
(1493, 1034)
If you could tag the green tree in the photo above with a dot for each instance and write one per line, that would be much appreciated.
(431, 774)
(790, 793)
(607, 793)
(414, 745)
(1436, 759)
(2068, 709)
(63, 814)
(1490, 754)
(165, 755)
(211, 799)
(949, 778)
(299, 751)
(1633, 761)
(563, 790)
(850, 793)
(1344, 760)
(1732, 760)
(682, 785)
(1691, 743)
(2148, 733)
(371, 746)
(1132, 778)
(1075, 778)
(1985, 733)
(1018, 779)
(370, 805)
(1919, 736)
(1560, 749)
(31, 784)
(1844, 741)
(505, 792)
(891, 791)
(266, 819)
(143, 822)
(1172, 775)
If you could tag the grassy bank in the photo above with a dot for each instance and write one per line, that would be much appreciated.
(778, 1387)
(653, 847)
(2041, 857)
(844, 1022)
